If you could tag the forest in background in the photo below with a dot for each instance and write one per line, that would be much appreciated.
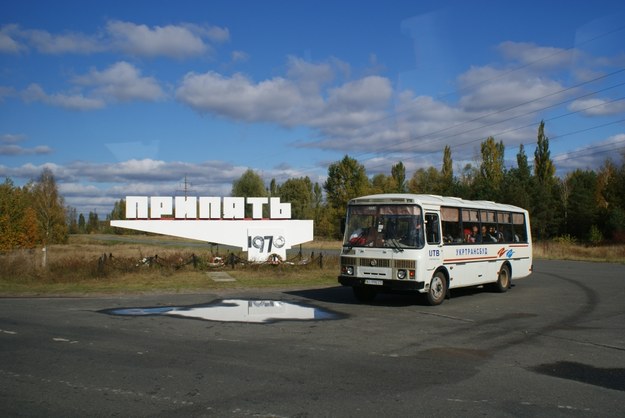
(585, 206)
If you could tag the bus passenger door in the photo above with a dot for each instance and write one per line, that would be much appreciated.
(433, 248)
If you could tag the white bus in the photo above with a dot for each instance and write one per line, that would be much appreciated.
(431, 244)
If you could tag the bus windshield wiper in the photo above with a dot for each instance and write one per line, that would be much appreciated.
(396, 245)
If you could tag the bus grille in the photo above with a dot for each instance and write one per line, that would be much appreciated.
(375, 262)
(405, 264)
(378, 262)
(346, 261)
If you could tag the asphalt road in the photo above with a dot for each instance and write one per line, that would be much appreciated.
(553, 345)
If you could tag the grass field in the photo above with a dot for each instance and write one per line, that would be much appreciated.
(566, 251)
(143, 264)
(105, 265)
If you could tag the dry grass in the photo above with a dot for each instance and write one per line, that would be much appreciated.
(576, 252)
(88, 266)
(85, 266)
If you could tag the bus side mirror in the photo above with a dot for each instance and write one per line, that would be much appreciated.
(343, 226)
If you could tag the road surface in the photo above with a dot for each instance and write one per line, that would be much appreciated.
(553, 345)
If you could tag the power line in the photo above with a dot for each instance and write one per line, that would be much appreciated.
(186, 186)
(433, 136)
(616, 146)
(529, 64)
(485, 126)
(533, 124)
(516, 106)
(503, 74)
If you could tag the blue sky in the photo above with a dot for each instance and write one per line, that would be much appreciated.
(130, 98)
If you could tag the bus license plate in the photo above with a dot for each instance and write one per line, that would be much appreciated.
(374, 282)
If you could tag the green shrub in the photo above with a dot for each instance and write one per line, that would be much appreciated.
(595, 236)
(566, 239)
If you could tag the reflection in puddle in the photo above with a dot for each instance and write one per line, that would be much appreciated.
(235, 310)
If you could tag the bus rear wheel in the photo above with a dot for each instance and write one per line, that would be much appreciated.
(438, 289)
(503, 280)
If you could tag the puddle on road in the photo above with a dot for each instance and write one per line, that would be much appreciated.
(235, 310)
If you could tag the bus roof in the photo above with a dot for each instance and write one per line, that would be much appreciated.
(432, 200)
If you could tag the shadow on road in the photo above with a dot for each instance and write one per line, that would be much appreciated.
(344, 295)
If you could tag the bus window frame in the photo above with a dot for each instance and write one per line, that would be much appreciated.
(507, 232)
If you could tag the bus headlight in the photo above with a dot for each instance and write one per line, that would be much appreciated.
(348, 270)
(401, 274)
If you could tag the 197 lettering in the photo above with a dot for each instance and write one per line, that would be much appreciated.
(265, 243)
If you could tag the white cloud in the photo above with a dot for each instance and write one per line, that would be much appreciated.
(173, 41)
(122, 82)
(16, 150)
(592, 156)
(239, 56)
(8, 43)
(217, 34)
(239, 98)
(598, 107)
(31, 171)
(540, 57)
(353, 112)
(498, 90)
(298, 99)
(309, 77)
(34, 93)
(12, 138)
(69, 190)
(176, 41)
(88, 186)
(154, 171)
(361, 114)
(371, 92)
(48, 43)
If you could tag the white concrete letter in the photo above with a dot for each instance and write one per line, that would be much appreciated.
(234, 208)
(279, 210)
(210, 207)
(257, 206)
(136, 207)
(159, 206)
(186, 207)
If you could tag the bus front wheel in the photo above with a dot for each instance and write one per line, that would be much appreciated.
(438, 289)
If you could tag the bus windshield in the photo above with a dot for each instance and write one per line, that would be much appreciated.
(378, 226)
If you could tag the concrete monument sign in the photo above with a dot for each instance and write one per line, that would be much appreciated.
(220, 220)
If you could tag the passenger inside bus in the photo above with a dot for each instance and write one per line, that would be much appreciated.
(473, 236)
(359, 237)
(483, 235)
(493, 235)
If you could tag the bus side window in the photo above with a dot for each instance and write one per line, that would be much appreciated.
(452, 233)
(504, 220)
(470, 220)
(432, 230)
(518, 221)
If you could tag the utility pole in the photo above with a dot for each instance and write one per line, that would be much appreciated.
(186, 187)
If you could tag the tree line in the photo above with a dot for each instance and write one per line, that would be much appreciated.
(32, 215)
(585, 205)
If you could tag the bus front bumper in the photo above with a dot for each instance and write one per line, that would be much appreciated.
(382, 285)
